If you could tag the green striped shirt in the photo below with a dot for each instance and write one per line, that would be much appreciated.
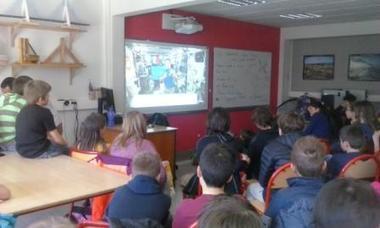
(10, 105)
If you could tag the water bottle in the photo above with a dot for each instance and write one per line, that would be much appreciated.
(111, 117)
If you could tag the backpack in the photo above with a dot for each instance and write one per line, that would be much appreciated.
(158, 119)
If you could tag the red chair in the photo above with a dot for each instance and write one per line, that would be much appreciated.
(365, 167)
(92, 224)
(327, 145)
(278, 180)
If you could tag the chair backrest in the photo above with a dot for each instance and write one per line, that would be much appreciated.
(326, 145)
(362, 167)
(84, 155)
(169, 176)
(278, 180)
(118, 164)
(92, 224)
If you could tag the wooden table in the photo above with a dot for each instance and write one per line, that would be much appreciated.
(163, 139)
(37, 184)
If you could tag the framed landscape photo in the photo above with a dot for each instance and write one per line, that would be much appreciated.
(364, 67)
(318, 67)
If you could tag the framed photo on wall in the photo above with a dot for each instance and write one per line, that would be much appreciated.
(364, 67)
(318, 67)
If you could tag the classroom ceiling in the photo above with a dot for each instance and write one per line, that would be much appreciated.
(332, 11)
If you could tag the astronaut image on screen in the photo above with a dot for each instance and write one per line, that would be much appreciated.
(164, 74)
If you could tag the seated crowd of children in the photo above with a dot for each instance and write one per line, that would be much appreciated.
(217, 197)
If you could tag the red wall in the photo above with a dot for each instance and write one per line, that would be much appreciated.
(217, 32)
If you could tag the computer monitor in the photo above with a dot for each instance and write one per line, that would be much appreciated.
(106, 101)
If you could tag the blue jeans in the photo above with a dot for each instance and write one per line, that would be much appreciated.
(55, 150)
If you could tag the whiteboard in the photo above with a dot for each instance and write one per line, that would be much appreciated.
(241, 78)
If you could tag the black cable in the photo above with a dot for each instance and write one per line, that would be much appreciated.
(76, 124)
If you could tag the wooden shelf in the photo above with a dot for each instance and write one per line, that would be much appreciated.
(15, 27)
(71, 66)
(51, 65)
(32, 25)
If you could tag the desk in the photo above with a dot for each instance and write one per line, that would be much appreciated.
(37, 184)
(163, 139)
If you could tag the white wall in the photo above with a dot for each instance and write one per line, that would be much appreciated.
(88, 47)
(101, 48)
(289, 34)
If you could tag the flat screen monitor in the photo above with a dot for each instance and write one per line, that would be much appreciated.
(106, 100)
(164, 77)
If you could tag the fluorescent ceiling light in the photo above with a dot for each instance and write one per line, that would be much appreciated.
(301, 16)
(242, 2)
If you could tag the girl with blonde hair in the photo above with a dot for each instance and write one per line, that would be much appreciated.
(132, 140)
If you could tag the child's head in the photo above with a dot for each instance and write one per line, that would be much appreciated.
(216, 165)
(314, 106)
(349, 112)
(218, 121)
(229, 211)
(19, 84)
(262, 117)
(146, 164)
(134, 125)
(290, 122)
(365, 113)
(347, 203)
(307, 157)
(37, 92)
(89, 133)
(352, 138)
(7, 84)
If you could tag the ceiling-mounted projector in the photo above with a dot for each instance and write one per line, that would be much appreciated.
(180, 24)
(188, 27)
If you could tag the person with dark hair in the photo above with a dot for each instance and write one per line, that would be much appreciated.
(6, 85)
(10, 105)
(216, 166)
(277, 152)
(293, 206)
(142, 197)
(345, 203)
(319, 125)
(229, 212)
(89, 134)
(352, 143)
(264, 121)
(218, 125)
(340, 111)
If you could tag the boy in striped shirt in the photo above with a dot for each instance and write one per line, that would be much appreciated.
(10, 105)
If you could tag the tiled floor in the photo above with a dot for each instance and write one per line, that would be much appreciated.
(32, 220)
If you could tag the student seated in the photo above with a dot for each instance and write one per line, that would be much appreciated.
(218, 125)
(345, 203)
(352, 142)
(11, 104)
(142, 197)
(264, 121)
(293, 206)
(6, 85)
(5, 194)
(277, 152)
(229, 211)
(132, 140)
(89, 134)
(36, 133)
(319, 125)
(214, 170)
